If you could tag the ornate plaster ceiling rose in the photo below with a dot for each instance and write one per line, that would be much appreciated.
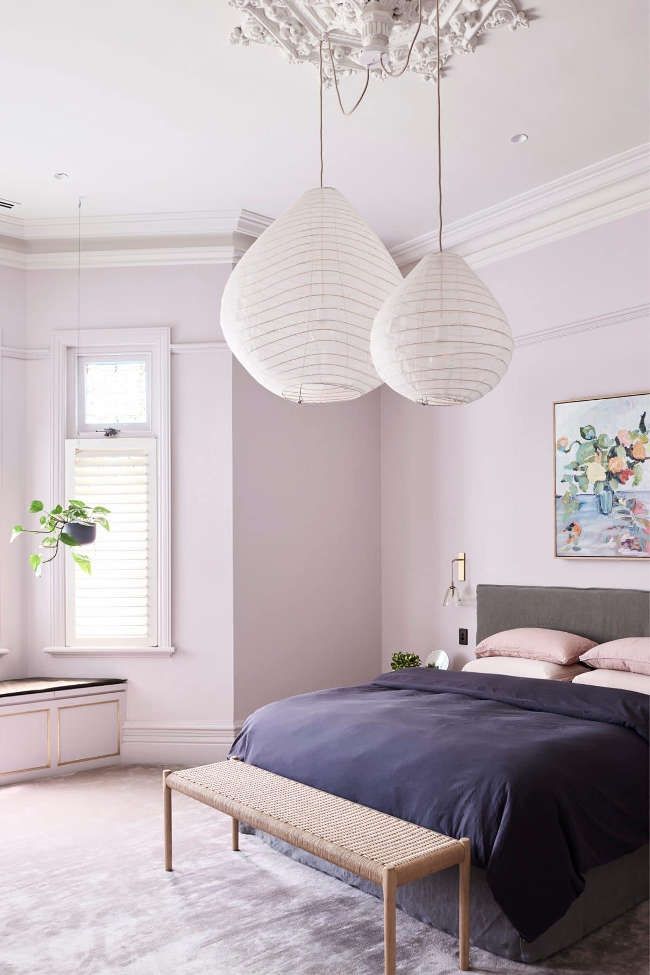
(362, 31)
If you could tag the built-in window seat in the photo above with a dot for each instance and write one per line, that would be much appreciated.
(48, 727)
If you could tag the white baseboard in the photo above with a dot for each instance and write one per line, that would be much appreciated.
(174, 743)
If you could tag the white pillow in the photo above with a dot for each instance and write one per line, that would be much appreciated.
(524, 667)
(621, 679)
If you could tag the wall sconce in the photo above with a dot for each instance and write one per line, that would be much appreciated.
(452, 596)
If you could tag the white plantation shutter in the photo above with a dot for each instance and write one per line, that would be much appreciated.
(115, 605)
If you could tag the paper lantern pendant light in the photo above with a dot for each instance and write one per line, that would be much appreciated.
(441, 338)
(297, 310)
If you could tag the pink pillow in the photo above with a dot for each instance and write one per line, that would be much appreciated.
(632, 653)
(535, 643)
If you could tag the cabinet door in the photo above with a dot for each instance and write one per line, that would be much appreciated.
(88, 731)
(24, 740)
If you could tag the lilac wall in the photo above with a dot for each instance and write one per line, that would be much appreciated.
(306, 517)
(195, 686)
(302, 539)
(480, 478)
(330, 529)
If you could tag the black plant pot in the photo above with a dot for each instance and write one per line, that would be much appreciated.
(83, 534)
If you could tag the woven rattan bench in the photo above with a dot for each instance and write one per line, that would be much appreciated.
(385, 850)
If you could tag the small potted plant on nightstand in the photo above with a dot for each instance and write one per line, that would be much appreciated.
(72, 526)
(402, 659)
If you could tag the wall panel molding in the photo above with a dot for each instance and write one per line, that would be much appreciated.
(619, 316)
(176, 348)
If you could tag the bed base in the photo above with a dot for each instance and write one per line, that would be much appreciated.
(610, 891)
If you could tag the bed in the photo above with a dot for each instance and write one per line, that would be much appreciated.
(549, 780)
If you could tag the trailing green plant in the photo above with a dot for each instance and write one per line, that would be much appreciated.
(401, 660)
(55, 531)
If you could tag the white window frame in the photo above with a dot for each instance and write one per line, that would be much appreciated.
(117, 443)
(84, 429)
(66, 347)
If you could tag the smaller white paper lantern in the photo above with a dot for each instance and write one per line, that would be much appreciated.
(298, 309)
(441, 338)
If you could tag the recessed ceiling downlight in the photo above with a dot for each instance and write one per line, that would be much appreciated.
(519, 137)
(61, 176)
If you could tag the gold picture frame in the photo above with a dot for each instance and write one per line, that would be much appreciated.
(612, 459)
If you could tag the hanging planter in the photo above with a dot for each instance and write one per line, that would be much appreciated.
(73, 526)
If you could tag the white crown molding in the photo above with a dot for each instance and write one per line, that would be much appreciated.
(158, 239)
(198, 223)
(179, 733)
(619, 317)
(608, 190)
(253, 224)
(135, 257)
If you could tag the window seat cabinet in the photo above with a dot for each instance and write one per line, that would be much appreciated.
(50, 727)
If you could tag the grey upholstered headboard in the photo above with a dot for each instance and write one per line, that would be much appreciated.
(600, 614)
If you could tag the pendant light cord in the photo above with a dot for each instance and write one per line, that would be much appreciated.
(320, 93)
(78, 273)
(438, 79)
(348, 111)
(398, 74)
(79, 203)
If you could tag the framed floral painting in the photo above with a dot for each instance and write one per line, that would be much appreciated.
(602, 477)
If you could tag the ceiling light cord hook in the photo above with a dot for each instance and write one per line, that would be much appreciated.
(345, 111)
(398, 74)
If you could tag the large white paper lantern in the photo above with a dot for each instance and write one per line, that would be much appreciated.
(441, 339)
(298, 309)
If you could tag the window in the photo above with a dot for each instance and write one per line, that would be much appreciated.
(117, 603)
(116, 381)
(113, 391)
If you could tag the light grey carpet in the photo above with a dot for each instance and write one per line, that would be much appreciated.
(83, 892)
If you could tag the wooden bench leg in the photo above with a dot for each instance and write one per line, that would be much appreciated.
(235, 834)
(389, 887)
(463, 907)
(167, 815)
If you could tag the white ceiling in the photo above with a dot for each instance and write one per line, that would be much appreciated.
(149, 108)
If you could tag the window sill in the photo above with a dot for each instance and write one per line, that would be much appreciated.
(109, 651)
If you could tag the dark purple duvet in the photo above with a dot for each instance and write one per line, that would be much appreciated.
(547, 779)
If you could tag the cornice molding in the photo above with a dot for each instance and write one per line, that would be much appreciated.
(608, 190)
(135, 257)
(195, 223)
(612, 188)
(130, 240)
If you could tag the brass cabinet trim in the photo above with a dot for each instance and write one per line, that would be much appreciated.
(89, 758)
(34, 768)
